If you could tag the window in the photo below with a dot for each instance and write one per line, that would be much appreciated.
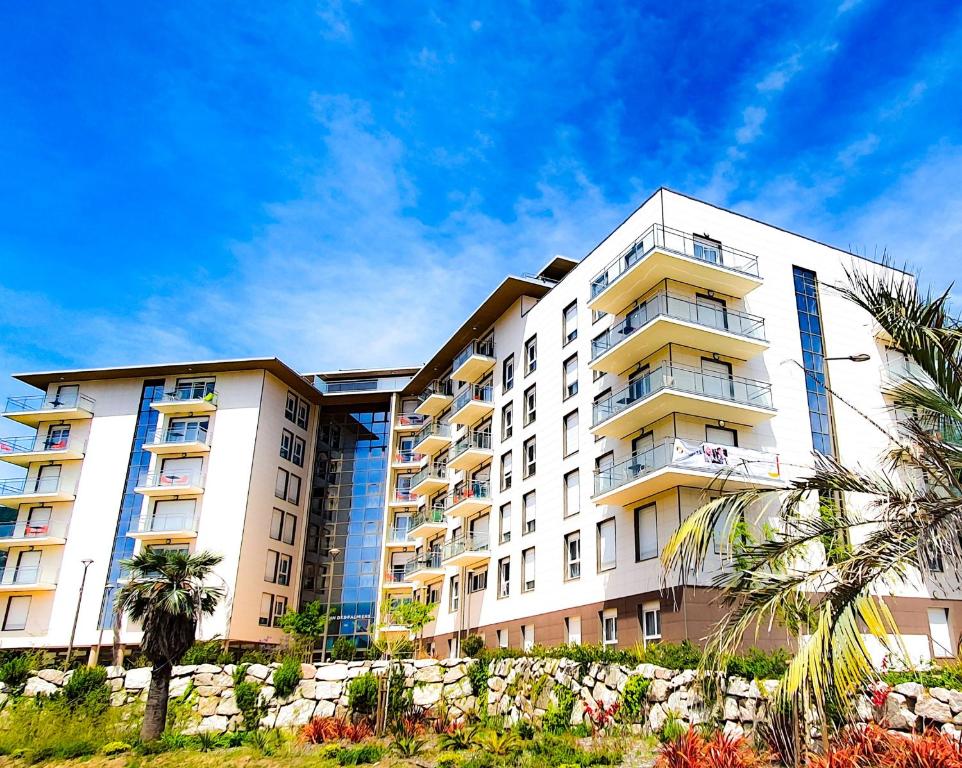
(570, 376)
(502, 638)
(454, 594)
(607, 556)
(297, 455)
(573, 556)
(530, 457)
(609, 626)
(278, 568)
(294, 490)
(504, 577)
(506, 471)
(287, 440)
(507, 373)
(283, 526)
(15, 616)
(478, 580)
(596, 315)
(529, 513)
(310, 577)
(646, 532)
(303, 412)
(570, 437)
(527, 570)
(573, 630)
(530, 355)
(280, 484)
(313, 538)
(721, 436)
(572, 494)
(504, 523)
(651, 622)
(507, 421)
(527, 637)
(942, 646)
(530, 405)
(569, 323)
(290, 408)
(813, 359)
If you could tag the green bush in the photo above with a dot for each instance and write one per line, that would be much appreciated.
(948, 676)
(207, 652)
(634, 700)
(286, 677)
(472, 645)
(756, 664)
(247, 696)
(362, 694)
(254, 657)
(564, 750)
(343, 649)
(15, 671)
(672, 729)
(368, 753)
(447, 760)
(86, 685)
(478, 676)
(115, 748)
(683, 655)
(557, 719)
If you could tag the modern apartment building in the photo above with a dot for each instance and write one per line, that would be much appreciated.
(525, 478)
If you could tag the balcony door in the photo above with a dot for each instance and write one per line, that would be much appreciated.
(48, 478)
(180, 471)
(57, 437)
(641, 448)
(478, 530)
(38, 521)
(187, 430)
(67, 395)
(717, 380)
(639, 385)
(28, 567)
(711, 312)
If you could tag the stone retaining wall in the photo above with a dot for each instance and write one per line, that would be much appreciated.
(522, 688)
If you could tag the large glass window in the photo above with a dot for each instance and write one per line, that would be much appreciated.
(813, 359)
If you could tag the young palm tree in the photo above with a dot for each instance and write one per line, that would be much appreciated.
(167, 595)
(842, 537)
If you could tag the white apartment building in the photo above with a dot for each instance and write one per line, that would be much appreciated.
(580, 414)
(209, 456)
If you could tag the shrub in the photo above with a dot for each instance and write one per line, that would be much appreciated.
(756, 664)
(15, 671)
(683, 655)
(112, 748)
(362, 694)
(672, 729)
(948, 676)
(478, 675)
(247, 696)
(874, 746)
(634, 700)
(472, 645)
(500, 744)
(286, 677)
(457, 738)
(524, 729)
(557, 718)
(254, 657)
(325, 729)
(343, 649)
(368, 753)
(207, 652)
(446, 760)
(408, 745)
(86, 685)
(564, 750)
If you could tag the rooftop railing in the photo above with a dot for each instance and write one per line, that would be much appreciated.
(677, 308)
(482, 347)
(678, 242)
(683, 378)
(49, 403)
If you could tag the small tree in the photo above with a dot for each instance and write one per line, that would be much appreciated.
(306, 626)
(414, 615)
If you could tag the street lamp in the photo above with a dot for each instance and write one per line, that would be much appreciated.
(332, 553)
(76, 617)
(861, 357)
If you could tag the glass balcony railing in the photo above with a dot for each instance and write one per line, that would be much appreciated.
(407, 457)
(25, 486)
(405, 496)
(674, 241)
(408, 420)
(167, 523)
(476, 489)
(437, 470)
(28, 574)
(683, 378)
(36, 443)
(435, 516)
(479, 439)
(683, 454)
(434, 429)
(173, 479)
(483, 348)
(49, 403)
(176, 435)
(476, 393)
(677, 308)
(32, 529)
(397, 575)
(399, 534)
(472, 542)
(186, 393)
(440, 387)
(424, 562)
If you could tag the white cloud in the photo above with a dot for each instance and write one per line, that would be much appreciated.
(751, 128)
(856, 150)
(777, 78)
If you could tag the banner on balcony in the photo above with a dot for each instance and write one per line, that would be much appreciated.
(718, 457)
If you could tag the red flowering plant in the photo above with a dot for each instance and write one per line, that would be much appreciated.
(602, 716)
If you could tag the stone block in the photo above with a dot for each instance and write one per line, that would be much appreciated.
(658, 690)
(137, 679)
(214, 724)
(912, 690)
(932, 709)
(258, 671)
(37, 686)
(331, 672)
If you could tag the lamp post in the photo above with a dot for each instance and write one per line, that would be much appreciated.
(332, 554)
(76, 617)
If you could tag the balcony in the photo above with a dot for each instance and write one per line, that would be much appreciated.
(428, 522)
(666, 319)
(184, 483)
(398, 537)
(34, 409)
(435, 398)
(474, 497)
(897, 370)
(187, 401)
(430, 479)
(34, 490)
(403, 497)
(28, 578)
(433, 438)
(466, 551)
(192, 439)
(24, 533)
(475, 360)
(23, 451)
(471, 450)
(407, 459)
(662, 253)
(675, 462)
(396, 580)
(671, 388)
(410, 422)
(473, 404)
(161, 527)
(425, 569)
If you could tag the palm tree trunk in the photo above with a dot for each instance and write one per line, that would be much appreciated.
(155, 713)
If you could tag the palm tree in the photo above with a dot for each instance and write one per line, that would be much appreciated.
(167, 595)
(842, 537)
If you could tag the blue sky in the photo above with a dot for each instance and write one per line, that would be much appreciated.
(338, 183)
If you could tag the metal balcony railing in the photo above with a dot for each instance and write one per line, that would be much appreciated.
(404, 495)
(476, 393)
(442, 387)
(674, 241)
(475, 438)
(407, 457)
(677, 308)
(49, 403)
(430, 561)
(683, 378)
(177, 434)
(411, 420)
(397, 575)
(188, 392)
(171, 479)
(30, 529)
(484, 348)
(434, 515)
(436, 469)
(471, 542)
(399, 535)
(35, 443)
(167, 522)
(684, 454)
(476, 489)
(28, 574)
(31, 485)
